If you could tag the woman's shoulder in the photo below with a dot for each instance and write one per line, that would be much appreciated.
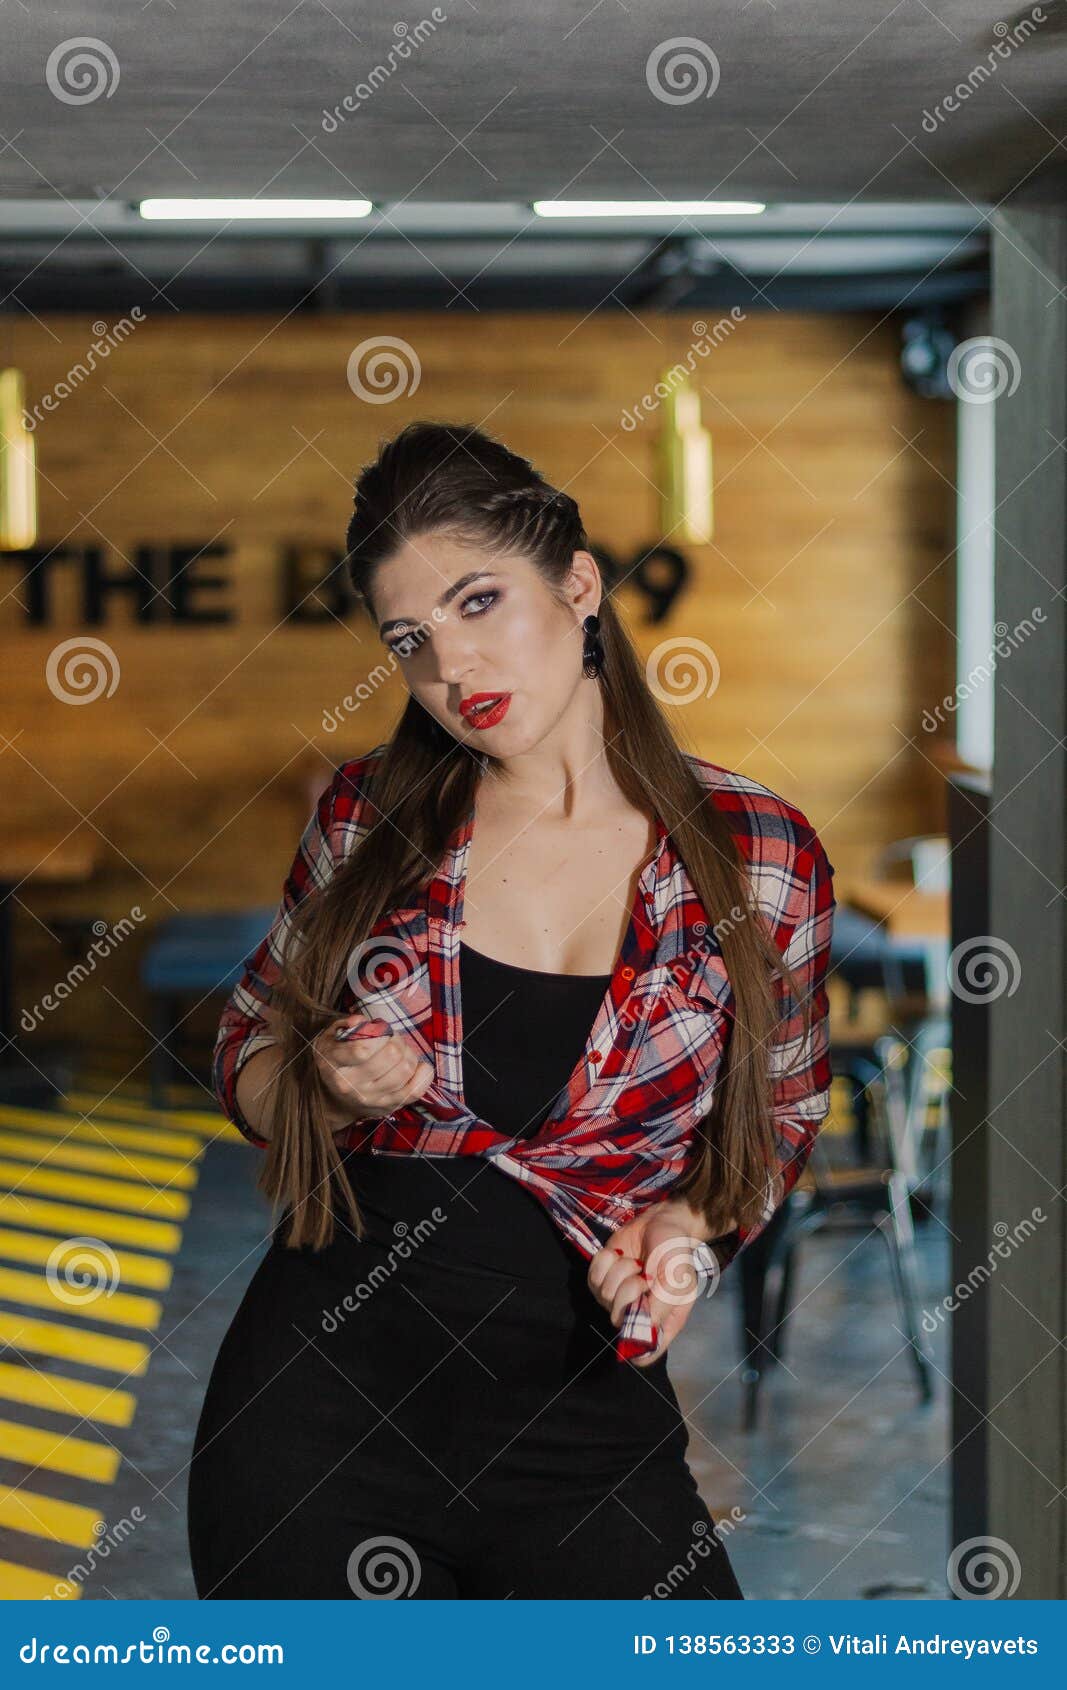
(353, 776)
(774, 833)
(345, 809)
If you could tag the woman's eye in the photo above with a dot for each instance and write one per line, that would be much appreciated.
(476, 598)
(408, 644)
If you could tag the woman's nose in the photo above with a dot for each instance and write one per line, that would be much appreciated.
(455, 674)
(455, 664)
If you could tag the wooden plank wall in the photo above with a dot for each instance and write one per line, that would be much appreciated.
(827, 593)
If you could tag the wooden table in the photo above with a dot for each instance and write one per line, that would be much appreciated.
(906, 912)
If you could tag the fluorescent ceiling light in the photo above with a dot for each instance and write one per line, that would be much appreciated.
(254, 209)
(648, 208)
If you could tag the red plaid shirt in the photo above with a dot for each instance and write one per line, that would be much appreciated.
(620, 1132)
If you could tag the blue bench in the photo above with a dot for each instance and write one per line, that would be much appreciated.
(196, 956)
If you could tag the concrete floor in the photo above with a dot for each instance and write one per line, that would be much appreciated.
(843, 1489)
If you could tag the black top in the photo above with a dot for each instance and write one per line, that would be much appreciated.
(523, 1033)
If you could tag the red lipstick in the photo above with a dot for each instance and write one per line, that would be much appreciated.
(485, 709)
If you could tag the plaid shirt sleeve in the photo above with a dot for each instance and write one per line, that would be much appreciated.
(800, 1069)
(245, 1025)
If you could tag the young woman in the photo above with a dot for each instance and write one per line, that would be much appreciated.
(537, 1041)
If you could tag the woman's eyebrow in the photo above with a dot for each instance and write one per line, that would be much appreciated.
(446, 598)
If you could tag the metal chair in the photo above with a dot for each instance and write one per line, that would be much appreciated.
(900, 1158)
(877, 1192)
(894, 1081)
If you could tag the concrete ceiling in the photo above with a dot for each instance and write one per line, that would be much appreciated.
(830, 107)
(815, 99)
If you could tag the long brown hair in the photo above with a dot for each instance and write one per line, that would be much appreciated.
(454, 480)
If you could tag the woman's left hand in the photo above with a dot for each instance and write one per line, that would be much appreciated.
(653, 1253)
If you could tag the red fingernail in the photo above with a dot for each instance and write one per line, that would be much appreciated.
(641, 1265)
(617, 1251)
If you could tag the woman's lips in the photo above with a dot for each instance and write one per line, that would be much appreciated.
(496, 708)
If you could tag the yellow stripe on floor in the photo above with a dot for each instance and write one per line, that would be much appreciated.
(26, 1584)
(105, 1403)
(114, 1108)
(69, 1219)
(155, 1170)
(151, 1273)
(44, 1516)
(206, 1121)
(89, 1302)
(92, 1349)
(59, 1452)
(109, 1193)
(155, 1140)
(180, 1094)
(113, 1184)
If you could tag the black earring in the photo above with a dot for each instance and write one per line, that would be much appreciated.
(592, 650)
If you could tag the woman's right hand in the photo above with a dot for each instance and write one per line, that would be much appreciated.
(371, 1072)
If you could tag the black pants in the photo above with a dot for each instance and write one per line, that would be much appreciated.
(437, 1411)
